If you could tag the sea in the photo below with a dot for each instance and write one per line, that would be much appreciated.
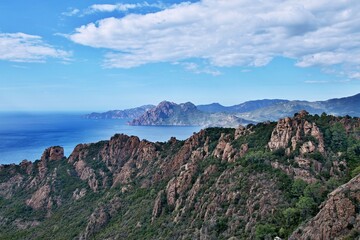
(27, 135)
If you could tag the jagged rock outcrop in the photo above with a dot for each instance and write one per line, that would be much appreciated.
(289, 132)
(169, 113)
(298, 134)
(338, 217)
(6, 188)
(27, 166)
(281, 135)
(171, 192)
(53, 154)
(77, 194)
(87, 173)
(224, 150)
(303, 171)
(218, 183)
(158, 205)
(186, 114)
(122, 155)
(41, 198)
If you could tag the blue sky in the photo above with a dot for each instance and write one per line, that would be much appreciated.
(99, 55)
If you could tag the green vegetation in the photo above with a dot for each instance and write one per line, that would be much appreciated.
(246, 198)
(259, 137)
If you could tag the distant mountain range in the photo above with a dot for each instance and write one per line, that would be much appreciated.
(240, 108)
(186, 114)
(338, 107)
(120, 114)
(215, 114)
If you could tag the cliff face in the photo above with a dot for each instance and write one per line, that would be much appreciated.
(186, 114)
(168, 113)
(259, 181)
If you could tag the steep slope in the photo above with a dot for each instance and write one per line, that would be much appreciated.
(253, 182)
(120, 114)
(344, 106)
(185, 114)
(338, 216)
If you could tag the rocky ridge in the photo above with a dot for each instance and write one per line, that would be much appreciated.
(219, 183)
(338, 106)
(185, 114)
(250, 111)
(120, 114)
(338, 218)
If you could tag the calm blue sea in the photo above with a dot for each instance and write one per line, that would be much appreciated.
(25, 135)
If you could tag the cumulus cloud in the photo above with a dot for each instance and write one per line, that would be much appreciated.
(21, 47)
(232, 33)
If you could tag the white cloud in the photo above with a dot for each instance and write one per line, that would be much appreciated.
(232, 33)
(112, 7)
(317, 81)
(21, 47)
(199, 69)
(121, 7)
(71, 12)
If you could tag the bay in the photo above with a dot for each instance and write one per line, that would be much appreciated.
(27, 135)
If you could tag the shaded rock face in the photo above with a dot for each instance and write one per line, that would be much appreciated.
(303, 172)
(27, 166)
(338, 216)
(40, 198)
(165, 111)
(6, 188)
(243, 208)
(186, 114)
(171, 192)
(158, 205)
(100, 217)
(87, 173)
(122, 156)
(53, 154)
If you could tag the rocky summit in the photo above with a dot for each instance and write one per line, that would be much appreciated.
(297, 178)
(186, 114)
